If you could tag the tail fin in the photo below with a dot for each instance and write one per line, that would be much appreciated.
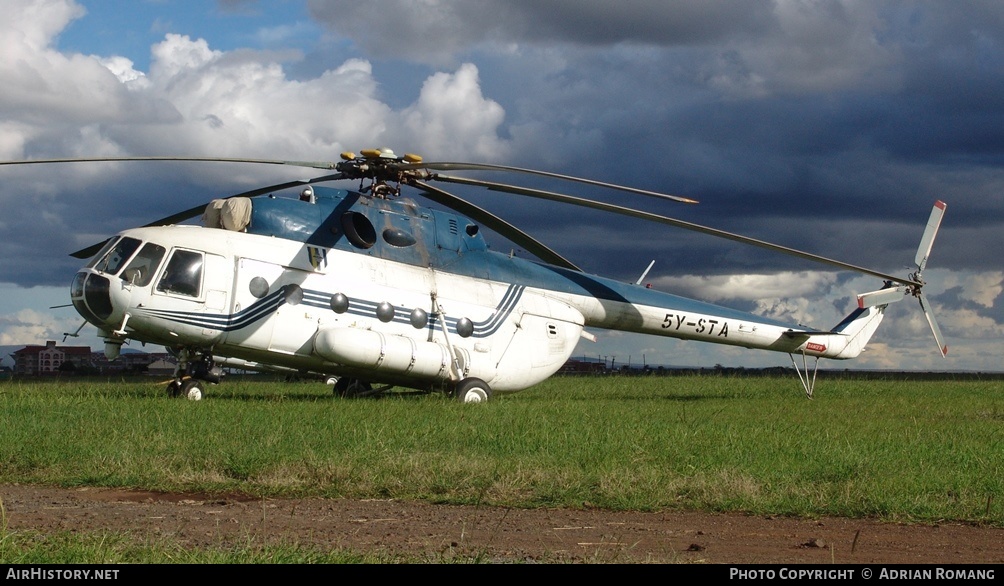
(856, 330)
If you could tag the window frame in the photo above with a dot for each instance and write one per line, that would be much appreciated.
(171, 290)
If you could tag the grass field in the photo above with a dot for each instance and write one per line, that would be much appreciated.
(912, 451)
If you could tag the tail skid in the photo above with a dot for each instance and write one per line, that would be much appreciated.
(846, 340)
(863, 323)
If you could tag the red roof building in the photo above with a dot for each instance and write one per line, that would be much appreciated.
(35, 360)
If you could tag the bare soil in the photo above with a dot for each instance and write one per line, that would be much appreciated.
(434, 533)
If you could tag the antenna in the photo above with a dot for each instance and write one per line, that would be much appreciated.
(643, 275)
(75, 334)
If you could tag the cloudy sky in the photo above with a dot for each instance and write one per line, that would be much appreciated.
(830, 127)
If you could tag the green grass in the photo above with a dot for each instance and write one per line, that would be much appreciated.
(918, 451)
(119, 548)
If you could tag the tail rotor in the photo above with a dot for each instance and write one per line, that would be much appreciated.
(916, 282)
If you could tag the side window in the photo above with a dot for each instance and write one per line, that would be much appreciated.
(142, 267)
(183, 274)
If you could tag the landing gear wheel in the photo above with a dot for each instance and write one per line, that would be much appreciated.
(192, 389)
(472, 390)
(174, 389)
(351, 387)
(331, 380)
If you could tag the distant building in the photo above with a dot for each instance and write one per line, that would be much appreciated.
(162, 367)
(573, 366)
(50, 359)
(128, 362)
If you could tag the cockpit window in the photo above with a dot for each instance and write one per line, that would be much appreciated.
(142, 267)
(183, 274)
(101, 253)
(113, 260)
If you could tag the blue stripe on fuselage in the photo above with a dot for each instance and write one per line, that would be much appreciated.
(320, 299)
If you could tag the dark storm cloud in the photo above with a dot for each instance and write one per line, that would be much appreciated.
(420, 30)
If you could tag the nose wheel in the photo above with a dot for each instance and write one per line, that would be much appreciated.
(191, 389)
(472, 390)
(195, 370)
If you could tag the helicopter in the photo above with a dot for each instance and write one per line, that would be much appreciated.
(369, 288)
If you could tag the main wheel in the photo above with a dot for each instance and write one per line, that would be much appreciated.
(351, 387)
(192, 389)
(472, 390)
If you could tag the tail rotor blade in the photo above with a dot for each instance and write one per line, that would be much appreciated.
(924, 250)
(942, 347)
(882, 296)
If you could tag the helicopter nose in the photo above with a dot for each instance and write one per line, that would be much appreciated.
(96, 299)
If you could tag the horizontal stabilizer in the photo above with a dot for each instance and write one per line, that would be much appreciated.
(882, 296)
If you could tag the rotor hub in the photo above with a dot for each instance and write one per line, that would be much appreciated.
(381, 166)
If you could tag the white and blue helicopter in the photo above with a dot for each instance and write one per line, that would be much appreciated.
(373, 290)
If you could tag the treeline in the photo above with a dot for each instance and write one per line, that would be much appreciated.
(781, 371)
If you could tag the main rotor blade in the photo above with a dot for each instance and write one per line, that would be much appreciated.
(90, 251)
(551, 196)
(445, 166)
(191, 212)
(312, 164)
(493, 222)
(927, 241)
(196, 210)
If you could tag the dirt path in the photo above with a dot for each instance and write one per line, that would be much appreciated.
(437, 532)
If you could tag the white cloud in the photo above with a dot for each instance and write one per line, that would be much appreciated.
(123, 70)
(982, 288)
(29, 26)
(453, 118)
(234, 103)
(194, 101)
(750, 287)
(28, 326)
(199, 101)
(13, 135)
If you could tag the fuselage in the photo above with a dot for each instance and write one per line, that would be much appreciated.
(387, 291)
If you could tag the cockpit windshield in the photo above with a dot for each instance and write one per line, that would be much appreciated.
(113, 260)
(100, 256)
(142, 267)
